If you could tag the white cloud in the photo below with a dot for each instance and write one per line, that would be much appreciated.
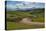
(20, 5)
(24, 5)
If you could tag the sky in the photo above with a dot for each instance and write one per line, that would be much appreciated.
(26, 0)
(23, 5)
(42, 1)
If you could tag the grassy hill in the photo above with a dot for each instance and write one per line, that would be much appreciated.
(37, 15)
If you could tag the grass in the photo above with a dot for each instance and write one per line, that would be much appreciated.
(15, 26)
(20, 15)
(39, 18)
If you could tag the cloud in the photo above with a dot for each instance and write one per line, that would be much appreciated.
(24, 5)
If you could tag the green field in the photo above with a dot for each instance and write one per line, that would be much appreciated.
(37, 16)
(20, 15)
(14, 26)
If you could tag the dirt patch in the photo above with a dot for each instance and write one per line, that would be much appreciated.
(29, 22)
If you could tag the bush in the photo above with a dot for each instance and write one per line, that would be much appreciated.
(14, 19)
(10, 19)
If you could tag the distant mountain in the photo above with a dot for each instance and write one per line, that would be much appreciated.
(26, 9)
(38, 10)
(33, 10)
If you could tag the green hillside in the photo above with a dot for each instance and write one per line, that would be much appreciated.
(37, 15)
